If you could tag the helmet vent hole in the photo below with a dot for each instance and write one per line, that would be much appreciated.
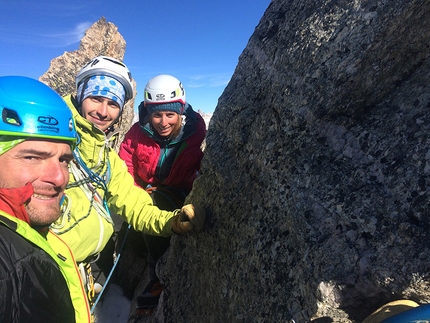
(173, 94)
(11, 117)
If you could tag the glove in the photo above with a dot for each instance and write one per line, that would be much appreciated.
(191, 217)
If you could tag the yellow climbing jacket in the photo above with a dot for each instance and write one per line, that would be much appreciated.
(100, 184)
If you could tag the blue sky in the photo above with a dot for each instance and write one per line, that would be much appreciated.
(197, 41)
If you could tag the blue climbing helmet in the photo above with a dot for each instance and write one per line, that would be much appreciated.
(29, 108)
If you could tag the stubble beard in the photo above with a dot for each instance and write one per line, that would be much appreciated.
(43, 216)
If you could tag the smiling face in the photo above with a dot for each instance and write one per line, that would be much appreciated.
(101, 111)
(165, 122)
(44, 164)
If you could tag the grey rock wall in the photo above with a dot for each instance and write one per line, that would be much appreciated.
(316, 171)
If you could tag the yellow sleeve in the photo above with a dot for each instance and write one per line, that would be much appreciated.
(133, 204)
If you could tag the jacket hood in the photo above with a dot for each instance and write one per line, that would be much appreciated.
(12, 201)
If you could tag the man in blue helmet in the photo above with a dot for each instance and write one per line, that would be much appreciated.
(39, 280)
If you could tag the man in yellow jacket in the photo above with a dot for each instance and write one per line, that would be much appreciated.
(39, 279)
(100, 181)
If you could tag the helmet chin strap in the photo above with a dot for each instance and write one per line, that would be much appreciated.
(79, 102)
(112, 126)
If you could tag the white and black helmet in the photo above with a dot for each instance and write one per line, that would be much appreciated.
(164, 88)
(108, 66)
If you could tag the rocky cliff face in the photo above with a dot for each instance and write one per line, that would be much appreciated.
(315, 173)
(102, 38)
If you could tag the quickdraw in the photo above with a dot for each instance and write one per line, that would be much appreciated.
(88, 279)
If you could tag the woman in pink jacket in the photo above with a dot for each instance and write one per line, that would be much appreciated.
(163, 153)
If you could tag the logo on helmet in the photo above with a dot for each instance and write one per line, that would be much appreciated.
(92, 62)
(160, 97)
(48, 120)
(182, 88)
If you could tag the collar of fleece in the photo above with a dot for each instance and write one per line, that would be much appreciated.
(12, 201)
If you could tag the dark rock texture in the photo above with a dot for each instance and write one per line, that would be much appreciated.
(102, 38)
(315, 172)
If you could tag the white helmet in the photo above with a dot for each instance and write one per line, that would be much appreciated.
(164, 88)
(108, 66)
